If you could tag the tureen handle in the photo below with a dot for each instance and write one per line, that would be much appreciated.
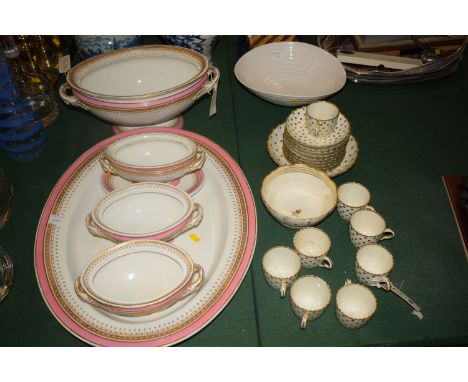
(70, 100)
(92, 227)
(197, 216)
(208, 86)
(82, 293)
(106, 166)
(198, 277)
(199, 161)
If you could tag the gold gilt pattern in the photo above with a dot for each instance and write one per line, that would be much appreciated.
(63, 289)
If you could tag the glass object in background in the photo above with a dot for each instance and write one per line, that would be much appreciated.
(21, 131)
(89, 46)
(6, 199)
(203, 44)
(34, 87)
(6, 273)
(45, 58)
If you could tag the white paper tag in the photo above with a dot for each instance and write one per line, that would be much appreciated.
(275, 56)
(55, 219)
(64, 64)
(213, 100)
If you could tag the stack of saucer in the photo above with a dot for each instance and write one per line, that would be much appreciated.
(316, 135)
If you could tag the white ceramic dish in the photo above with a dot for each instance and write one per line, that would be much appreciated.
(156, 211)
(143, 116)
(290, 73)
(223, 245)
(275, 150)
(298, 195)
(138, 74)
(190, 183)
(150, 152)
(139, 277)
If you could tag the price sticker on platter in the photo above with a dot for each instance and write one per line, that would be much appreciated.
(55, 219)
(194, 237)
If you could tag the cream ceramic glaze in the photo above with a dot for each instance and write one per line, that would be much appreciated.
(281, 266)
(138, 278)
(312, 242)
(375, 259)
(311, 293)
(138, 74)
(298, 195)
(313, 245)
(321, 118)
(275, 150)
(368, 223)
(310, 297)
(144, 210)
(352, 197)
(356, 301)
(143, 116)
(367, 226)
(281, 262)
(353, 194)
(290, 73)
(190, 183)
(167, 174)
(148, 151)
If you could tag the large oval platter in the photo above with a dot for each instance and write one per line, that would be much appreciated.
(223, 244)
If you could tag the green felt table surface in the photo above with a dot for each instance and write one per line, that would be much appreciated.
(408, 135)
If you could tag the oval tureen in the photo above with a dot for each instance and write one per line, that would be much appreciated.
(152, 157)
(138, 74)
(156, 211)
(138, 278)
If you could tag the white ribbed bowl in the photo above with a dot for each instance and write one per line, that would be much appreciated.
(290, 73)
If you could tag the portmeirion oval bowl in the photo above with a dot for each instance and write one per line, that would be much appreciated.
(290, 73)
(136, 114)
(138, 74)
(139, 277)
(152, 157)
(156, 211)
(299, 195)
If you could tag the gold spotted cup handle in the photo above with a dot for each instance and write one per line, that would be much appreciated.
(326, 262)
(305, 318)
(387, 234)
(283, 287)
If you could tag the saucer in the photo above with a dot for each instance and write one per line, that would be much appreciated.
(275, 150)
(191, 183)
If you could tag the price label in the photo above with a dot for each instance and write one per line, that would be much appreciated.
(194, 237)
(55, 219)
(64, 64)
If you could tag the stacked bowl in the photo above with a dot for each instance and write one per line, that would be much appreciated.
(140, 86)
(316, 135)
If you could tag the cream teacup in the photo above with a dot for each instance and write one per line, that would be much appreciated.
(368, 227)
(321, 118)
(313, 245)
(352, 197)
(355, 305)
(310, 297)
(281, 266)
(373, 264)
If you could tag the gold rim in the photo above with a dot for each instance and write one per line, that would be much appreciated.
(191, 53)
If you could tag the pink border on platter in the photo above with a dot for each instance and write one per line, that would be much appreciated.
(160, 101)
(203, 320)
